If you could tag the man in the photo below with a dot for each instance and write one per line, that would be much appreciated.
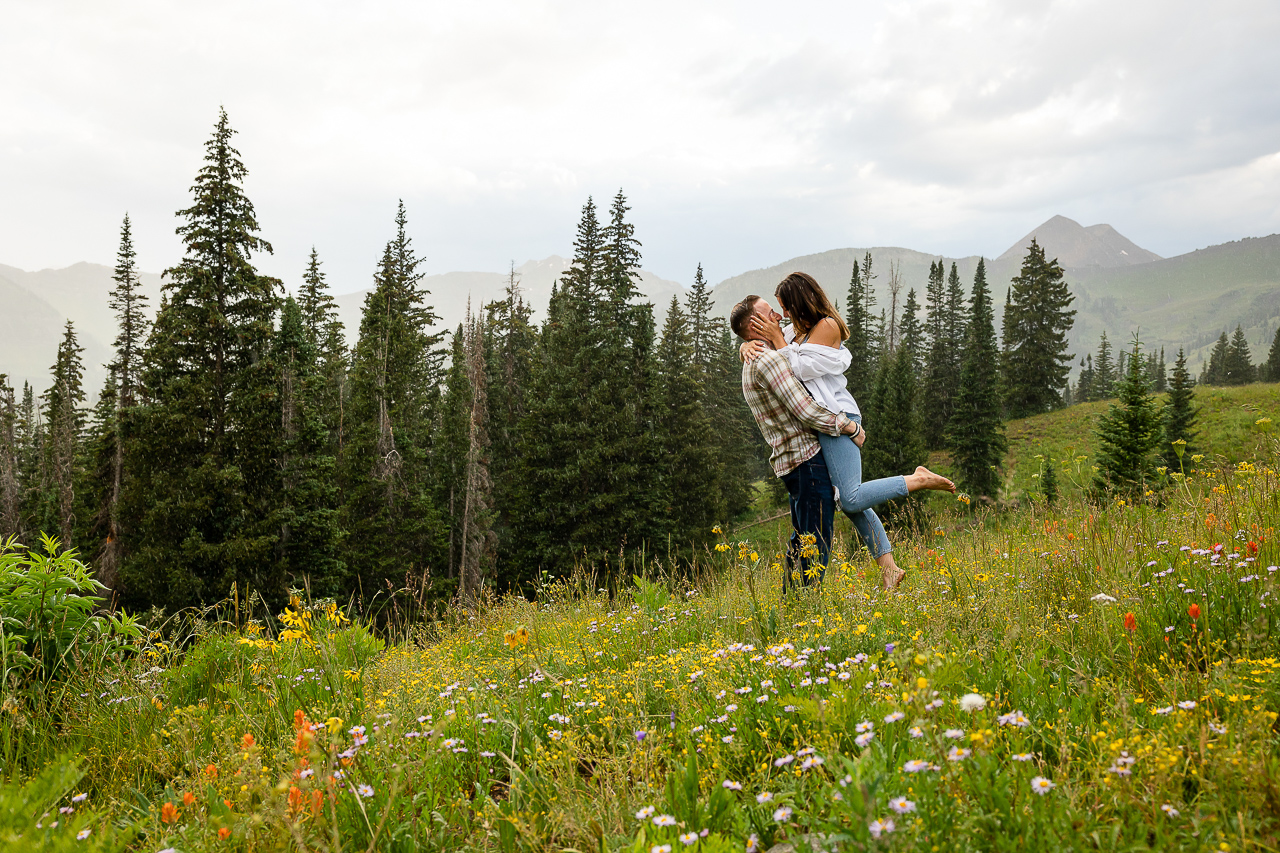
(788, 417)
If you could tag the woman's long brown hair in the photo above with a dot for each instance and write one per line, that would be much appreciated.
(804, 300)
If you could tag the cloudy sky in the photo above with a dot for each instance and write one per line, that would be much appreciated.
(743, 133)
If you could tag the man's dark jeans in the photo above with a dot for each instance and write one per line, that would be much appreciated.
(813, 508)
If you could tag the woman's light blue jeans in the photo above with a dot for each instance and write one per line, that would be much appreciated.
(844, 462)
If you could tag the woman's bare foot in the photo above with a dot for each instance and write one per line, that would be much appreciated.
(892, 577)
(923, 478)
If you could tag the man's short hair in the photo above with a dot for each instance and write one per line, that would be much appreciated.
(740, 314)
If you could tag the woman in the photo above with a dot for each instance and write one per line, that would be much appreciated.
(814, 345)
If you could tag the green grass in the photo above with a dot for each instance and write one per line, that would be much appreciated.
(574, 722)
(1228, 434)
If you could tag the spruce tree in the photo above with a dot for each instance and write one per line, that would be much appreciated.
(307, 514)
(1129, 433)
(203, 468)
(630, 385)
(450, 449)
(957, 317)
(975, 433)
(743, 452)
(1037, 321)
(130, 306)
(1084, 385)
(10, 486)
(895, 445)
(590, 451)
(1104, 371)
(97, 493)
(1179, 417)
(911, 332)
(1216, 373)
(33, 480)
(325, 334)
(1049, 482)
(393, 524)
(719, 373)
(691, 476)
(559, 444)
(510, 350)
(939, 383)
(115, 428)
(860, 377)
(64, 402)
(1272, 363)
(1239, 360)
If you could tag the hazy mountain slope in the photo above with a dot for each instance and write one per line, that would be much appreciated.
(450, 292)
(1078, 247)
(1187, 300)
(30, 329)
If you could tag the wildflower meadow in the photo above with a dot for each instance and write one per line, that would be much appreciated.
(1087, 676)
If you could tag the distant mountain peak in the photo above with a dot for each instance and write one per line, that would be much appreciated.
(1074, 245)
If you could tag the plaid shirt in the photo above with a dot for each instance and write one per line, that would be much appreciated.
(786, 414)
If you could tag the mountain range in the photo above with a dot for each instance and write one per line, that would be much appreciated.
(1187, 300)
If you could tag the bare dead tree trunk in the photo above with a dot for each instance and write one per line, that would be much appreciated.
(895, 285)
(9, 487)
(477, 531)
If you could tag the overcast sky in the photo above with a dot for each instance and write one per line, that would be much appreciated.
(743, 133)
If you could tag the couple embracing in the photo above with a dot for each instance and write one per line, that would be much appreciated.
(794, 382)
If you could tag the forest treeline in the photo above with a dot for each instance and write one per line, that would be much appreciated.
(242, 441)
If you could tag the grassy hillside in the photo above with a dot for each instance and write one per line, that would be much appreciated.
(1099, 676)
(1228, 435)
(1183, 301)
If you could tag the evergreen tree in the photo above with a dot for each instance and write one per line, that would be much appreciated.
(1179, 417)
(957, 317)
(10, 487)
(1239, 360)
(590, 448)
(911, 332)
(1037, 321)
(1129, 433)
(939, 383)
(744, 455)
(130, 306)
(1084, 385)
(203, 469)
(512, 341)
(630, 385)
(113, 429)
(975, 433)
(1272, 364)
(33, 480)
(1216, 374)
(1104, 371)
(720, 375)
(309, 534)
(692, 498)
(325, 334)
(859, 317)
(558, 434)
(96, 493)
(1049, 482)
(64, 401)
(1157, 375)
(896, 445)
(450, 444)
(394, 526)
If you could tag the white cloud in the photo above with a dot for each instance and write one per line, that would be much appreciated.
(743, 132)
